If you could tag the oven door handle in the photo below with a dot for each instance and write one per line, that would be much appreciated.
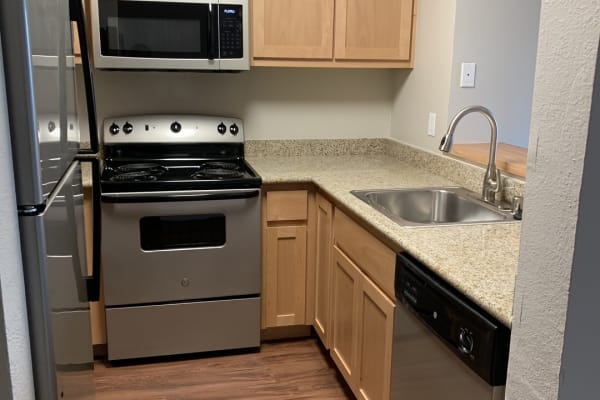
(190, 195)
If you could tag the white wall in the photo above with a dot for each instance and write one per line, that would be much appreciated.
(274, 103)
(501, 37)
(566, 64)
(426, 88)
(11, 270)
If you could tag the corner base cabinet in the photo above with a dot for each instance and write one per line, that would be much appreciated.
(321, 268)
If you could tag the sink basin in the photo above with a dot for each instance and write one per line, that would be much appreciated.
(433, 206)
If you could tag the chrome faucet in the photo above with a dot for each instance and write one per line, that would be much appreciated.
(492, 182)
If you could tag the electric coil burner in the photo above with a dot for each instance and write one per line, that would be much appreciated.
(180, 237)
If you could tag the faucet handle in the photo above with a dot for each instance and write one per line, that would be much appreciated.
(517, 207)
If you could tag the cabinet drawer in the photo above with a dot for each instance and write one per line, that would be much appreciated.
(374, 258)
(289, 205)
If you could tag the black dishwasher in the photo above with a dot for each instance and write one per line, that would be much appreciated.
(445, 346)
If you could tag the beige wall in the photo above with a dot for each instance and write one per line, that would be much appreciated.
(274, 103)
(426, 88)
(505, 67)
(456, 31)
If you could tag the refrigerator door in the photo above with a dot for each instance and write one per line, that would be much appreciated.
(40, 76)
(66, 256)
(56, 276)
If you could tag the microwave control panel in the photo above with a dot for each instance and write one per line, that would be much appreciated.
(231, 43)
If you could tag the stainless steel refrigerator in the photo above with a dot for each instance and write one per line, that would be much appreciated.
(53, 137)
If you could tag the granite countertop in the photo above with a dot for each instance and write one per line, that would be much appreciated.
(479, 260)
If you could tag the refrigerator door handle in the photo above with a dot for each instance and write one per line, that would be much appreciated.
(77, 16)
(93, 281)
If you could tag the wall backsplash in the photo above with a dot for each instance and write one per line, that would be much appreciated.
(274, 103)
(464, 174)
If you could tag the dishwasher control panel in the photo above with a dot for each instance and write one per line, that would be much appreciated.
(477, 338)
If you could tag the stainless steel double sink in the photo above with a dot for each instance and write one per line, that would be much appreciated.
(433, 206)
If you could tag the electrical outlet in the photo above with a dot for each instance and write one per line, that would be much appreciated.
(467, 75)
(431, 124)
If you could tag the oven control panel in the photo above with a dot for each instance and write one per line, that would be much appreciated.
(173, 129)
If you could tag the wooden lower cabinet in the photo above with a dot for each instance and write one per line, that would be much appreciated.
(324, 242)
(345, 296)
(284, 276)
(375, 337)
(323, 269)
(363, 325)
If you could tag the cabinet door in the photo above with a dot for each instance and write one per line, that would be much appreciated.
(375, 336)
(284, 276)
(373, 30)
(345, 296)
(293, 29)
(324, 220)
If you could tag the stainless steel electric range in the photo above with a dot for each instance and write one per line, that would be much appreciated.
(181, 236)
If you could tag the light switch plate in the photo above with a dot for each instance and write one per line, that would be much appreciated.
(431, 124)
(467, 75)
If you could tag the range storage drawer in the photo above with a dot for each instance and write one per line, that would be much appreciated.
(167, 329)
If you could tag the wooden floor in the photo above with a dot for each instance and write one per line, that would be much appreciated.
(297, 369)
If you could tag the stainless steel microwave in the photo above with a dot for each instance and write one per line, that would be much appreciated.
(170, 34)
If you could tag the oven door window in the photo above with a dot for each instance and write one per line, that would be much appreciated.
(182, 232)
(154, 29)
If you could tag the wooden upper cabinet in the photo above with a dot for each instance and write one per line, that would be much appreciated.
(333, 33)
(376, 30)
(293, 29)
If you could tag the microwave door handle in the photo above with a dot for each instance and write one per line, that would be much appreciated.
(77, 16)
(212, 31)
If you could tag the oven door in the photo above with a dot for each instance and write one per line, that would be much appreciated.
(151, 34)
(176, 246)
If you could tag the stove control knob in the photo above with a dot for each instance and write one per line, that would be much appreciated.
(466, 342)
(234, 129)
(114, 129)
(222, 128)
(127, 128)
(176, 127)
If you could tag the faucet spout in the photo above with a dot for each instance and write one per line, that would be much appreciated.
(492, 183)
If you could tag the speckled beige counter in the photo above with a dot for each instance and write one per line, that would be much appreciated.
(479, 260)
